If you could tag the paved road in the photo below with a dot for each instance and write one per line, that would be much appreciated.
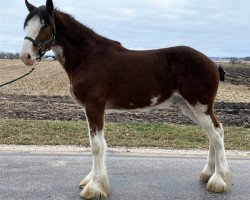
(34, 176)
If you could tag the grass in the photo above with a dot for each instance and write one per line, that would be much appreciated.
(162, 135)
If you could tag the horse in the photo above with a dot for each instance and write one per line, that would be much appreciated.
(105, 75)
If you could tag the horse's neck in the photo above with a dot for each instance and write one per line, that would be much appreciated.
(73, 41)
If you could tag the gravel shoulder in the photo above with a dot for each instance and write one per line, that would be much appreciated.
(155, 152)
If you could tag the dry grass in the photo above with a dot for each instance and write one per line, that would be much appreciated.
(233, 93)
(49, 78)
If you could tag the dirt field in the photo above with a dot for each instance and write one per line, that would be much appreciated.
(45, 95)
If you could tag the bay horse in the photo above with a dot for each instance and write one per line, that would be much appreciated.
(105, 75)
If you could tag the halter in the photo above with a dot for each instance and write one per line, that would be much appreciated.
(40, 45)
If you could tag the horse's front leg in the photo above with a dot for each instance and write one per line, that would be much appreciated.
(96, 184)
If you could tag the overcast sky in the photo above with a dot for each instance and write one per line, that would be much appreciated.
(214, 27)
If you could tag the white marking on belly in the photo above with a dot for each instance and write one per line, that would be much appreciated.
(154, 100)
(165, 104)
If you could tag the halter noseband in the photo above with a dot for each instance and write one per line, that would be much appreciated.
(40, 45)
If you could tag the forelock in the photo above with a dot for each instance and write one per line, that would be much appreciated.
(42, 13)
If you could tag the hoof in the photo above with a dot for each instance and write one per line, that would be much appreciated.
(217, 184)
(204, 177)
(86, 180)
(206, 174)
(93, 190)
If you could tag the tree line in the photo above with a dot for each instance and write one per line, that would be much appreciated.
(4, 55)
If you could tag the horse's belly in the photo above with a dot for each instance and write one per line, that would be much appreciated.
(154, 103)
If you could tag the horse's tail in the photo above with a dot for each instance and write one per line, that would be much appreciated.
(222, 73)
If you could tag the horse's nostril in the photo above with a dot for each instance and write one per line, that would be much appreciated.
(28, 56)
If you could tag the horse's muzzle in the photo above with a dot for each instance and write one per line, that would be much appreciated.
(26, 59)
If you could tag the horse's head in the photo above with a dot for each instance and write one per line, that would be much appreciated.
(40, 32)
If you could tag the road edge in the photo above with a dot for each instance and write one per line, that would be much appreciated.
(128, 151)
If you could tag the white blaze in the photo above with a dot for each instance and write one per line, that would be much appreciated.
(31, 30)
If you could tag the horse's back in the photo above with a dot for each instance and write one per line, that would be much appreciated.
(166, 71)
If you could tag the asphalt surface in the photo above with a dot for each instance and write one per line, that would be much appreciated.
(37, 176)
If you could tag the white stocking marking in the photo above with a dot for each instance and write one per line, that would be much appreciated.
(220, 180)
(97, 180)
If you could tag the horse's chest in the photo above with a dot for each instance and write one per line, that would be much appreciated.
(75, 97)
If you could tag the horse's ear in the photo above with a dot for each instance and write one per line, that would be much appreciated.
(29, 6)
(50, 6)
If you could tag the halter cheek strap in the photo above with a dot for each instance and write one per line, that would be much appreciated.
(40, 45)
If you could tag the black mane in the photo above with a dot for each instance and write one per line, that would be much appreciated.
(42, 13)
(81, 29)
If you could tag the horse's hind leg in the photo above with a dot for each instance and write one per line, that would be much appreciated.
(186, 110)
(208, 170)
(96, 183)
(220, 180)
